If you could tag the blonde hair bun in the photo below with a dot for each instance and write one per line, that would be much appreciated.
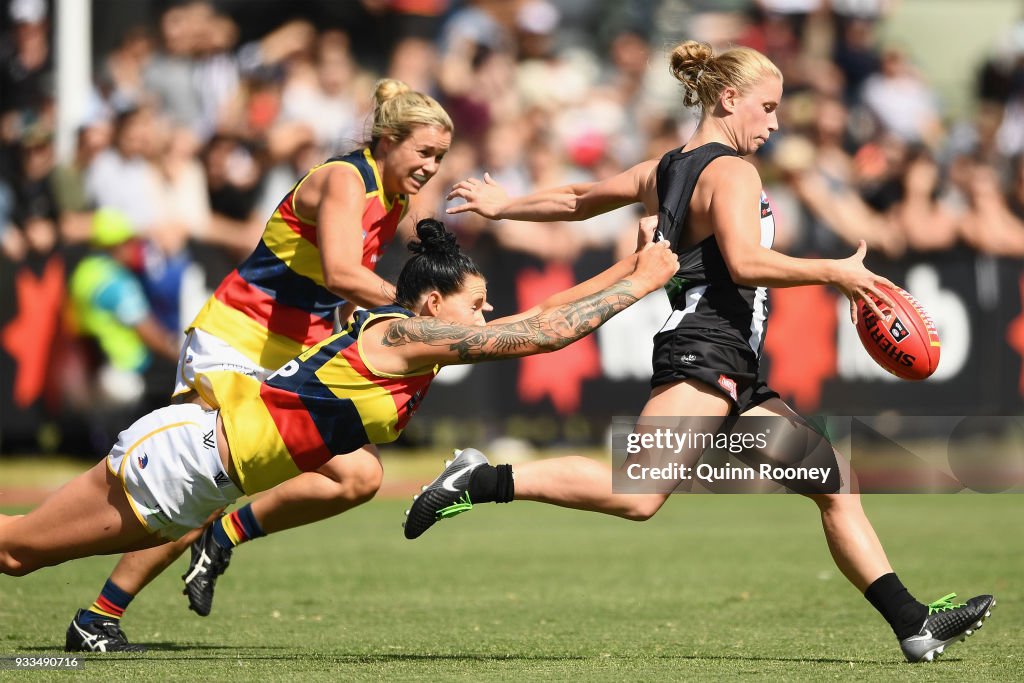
(388, 88)
(705, 75)
(398, 109)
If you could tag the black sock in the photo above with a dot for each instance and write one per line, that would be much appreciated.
(490, 484)
(893, 601)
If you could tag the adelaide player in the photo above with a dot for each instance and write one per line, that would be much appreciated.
(317, 254)
(712, 210)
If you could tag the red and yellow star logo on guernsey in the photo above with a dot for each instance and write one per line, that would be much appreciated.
(1015, 336)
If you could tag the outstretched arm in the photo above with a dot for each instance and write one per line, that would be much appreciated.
(567, 203)
(412, 344)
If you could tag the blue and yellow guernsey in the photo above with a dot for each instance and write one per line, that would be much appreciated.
(275, 305)
(326, 402)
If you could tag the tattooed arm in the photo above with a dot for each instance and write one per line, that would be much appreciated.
(450, 343)
(600, 281)
(412, 344)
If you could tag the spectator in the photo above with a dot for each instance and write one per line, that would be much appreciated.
(479, 23)
(33, 204)
(216, 74)
(181, 200)
(546, 75)
(901, 100)
(26, 61)
(543, 166)
(32, 185)
(233, 182)
(323, 95)
(415, 61)
(632, 84)
(169, 74)
(123, 76)
(110, 307)
(119, 177)
(855, 53)
(477, 73)
(926, 221)
(793, 13)
(986, 223)
(832, 204)
(180, 195)
(68, 181)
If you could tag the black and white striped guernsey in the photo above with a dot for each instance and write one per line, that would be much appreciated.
(703, 295)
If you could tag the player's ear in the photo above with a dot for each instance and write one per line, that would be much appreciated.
(432, 304)
(386, 143)
(729, 98)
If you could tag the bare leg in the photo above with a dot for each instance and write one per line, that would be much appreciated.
(90, 515)
(343, 483)
(851, 539)
(6, 519)
(136, 569)
(583, 484)
(859, 555)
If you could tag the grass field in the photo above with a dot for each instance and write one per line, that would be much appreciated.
(713, 588)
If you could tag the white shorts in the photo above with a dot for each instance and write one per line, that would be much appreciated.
(171, 471)
(203, 352)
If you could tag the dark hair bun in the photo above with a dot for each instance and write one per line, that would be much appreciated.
(434, 240)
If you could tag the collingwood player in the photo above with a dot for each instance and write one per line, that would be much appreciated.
(712, 210)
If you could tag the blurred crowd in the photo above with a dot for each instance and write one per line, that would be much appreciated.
(192, 135)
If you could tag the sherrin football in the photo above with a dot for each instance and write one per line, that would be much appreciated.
(905, 342)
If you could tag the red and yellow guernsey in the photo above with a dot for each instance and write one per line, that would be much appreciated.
(275, 304)
(326, 402)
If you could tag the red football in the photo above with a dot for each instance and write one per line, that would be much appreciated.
(905, 342)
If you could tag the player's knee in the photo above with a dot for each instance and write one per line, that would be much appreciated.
(15, 564)
(638, 514)
(356, 481)
(15, 558)
(642, 508)
(837, 502)
(365, 481)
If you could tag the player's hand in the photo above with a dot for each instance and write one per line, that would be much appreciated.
(655, 265)
(485, 197)
(645, 231)
(858, 283)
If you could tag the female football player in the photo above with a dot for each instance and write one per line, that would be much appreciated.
(713, 212)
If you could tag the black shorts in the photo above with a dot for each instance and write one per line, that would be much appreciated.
(713, 358)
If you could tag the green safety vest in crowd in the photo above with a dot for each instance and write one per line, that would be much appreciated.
(122, 345)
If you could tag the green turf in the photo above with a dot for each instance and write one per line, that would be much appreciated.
(715, 587)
